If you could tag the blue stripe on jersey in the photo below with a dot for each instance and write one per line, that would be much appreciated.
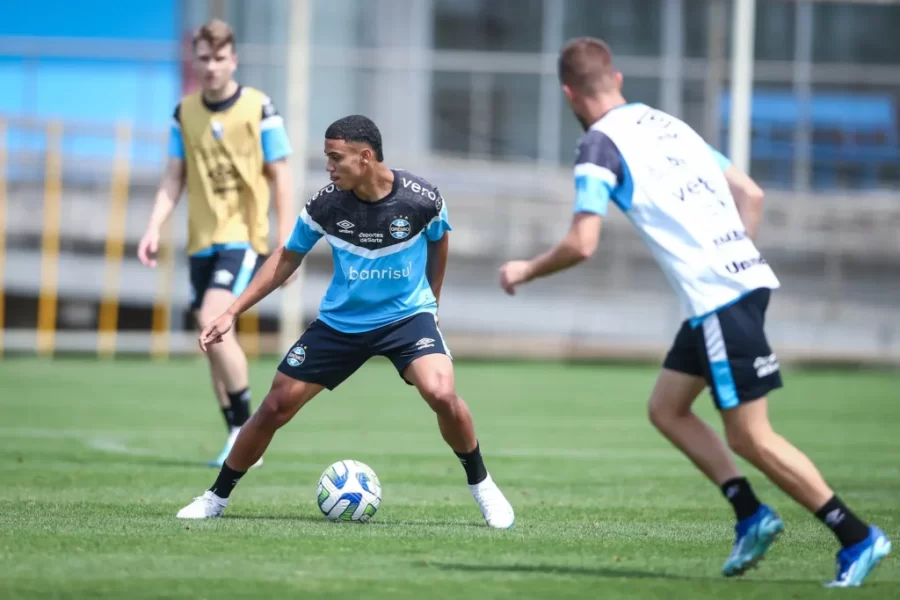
(438, 226)
(176, 144)
(624, 194)
(721, 159)
(274, 139)
(305, 235)
(592, 194)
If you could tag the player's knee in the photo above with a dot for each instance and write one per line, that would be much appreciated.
(749, 443)
(661, 414)
(441, 396)
(276, 409)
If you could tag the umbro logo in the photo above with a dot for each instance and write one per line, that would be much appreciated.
(345, 224)
(835, 517)
(425, 343)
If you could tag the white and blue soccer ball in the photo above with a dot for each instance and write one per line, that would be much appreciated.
(349, 491)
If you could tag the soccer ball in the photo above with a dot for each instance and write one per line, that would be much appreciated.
(349, 491)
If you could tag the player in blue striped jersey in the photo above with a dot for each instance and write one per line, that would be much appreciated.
(388, 231)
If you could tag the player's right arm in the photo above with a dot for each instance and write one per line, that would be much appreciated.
(274, 272)
(748, 197)
(598, 174)
(167, 195)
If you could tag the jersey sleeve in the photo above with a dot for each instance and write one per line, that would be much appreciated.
(275, 142)
(440, 223)
(176, 143)
(721, 159)
(306, 233)
(598, 173)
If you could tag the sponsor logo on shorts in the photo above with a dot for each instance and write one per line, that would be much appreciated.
(400, 228)
(425, 343)
(296, 356)
(766, 365)
(223, 277)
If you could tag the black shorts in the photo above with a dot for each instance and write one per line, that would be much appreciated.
(730, 351)
(326, 356)
(225, 269)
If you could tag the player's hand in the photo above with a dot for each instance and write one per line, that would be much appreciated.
(148, 248)
(513, 273)
(213, 333)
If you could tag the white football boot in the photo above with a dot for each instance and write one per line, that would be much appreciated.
(497, 510)
(207, 506)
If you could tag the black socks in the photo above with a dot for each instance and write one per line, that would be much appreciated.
(741, 496)
(845, 525)
(225, 482)
(239, 411)
(474, 465)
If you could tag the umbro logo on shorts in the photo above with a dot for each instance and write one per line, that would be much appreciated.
(766, 365)
(425, 343)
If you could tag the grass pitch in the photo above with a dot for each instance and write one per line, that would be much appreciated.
(97, 457)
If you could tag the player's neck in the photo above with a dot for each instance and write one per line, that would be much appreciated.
(226, 92)
(601, 106)
(379, 186)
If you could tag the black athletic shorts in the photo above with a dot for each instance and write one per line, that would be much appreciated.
(326, 356)
(730, 351)
(226, 269)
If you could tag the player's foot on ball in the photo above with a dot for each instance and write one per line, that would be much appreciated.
(229, 444)
(207, 506)
(497, 510)
(857, 561)
(754, 537)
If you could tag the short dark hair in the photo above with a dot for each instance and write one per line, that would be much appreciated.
(216, 33)
(357, 128)
(586, 65)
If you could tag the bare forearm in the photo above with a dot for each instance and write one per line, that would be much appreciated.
(559, 258)
(438, 252)
(272, 274)
(168, 194)
(750, 210)
(282, 185)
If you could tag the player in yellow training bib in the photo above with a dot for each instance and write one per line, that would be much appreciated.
(228, 145)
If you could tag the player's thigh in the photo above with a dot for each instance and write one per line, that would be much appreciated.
(215, 302)
(682, 377)
(411, 339)
(739, 363)
(432, 375)
(324, 356)
(288, 395)
(746, 422)
(674, 394)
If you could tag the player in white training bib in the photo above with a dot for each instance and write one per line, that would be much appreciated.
(698, 214)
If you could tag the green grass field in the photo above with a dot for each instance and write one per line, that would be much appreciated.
(96, 458)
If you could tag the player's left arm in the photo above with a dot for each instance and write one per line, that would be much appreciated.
(438, 252)
(437, 234)
(597, 176)
(748, 196)
(276, 149)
